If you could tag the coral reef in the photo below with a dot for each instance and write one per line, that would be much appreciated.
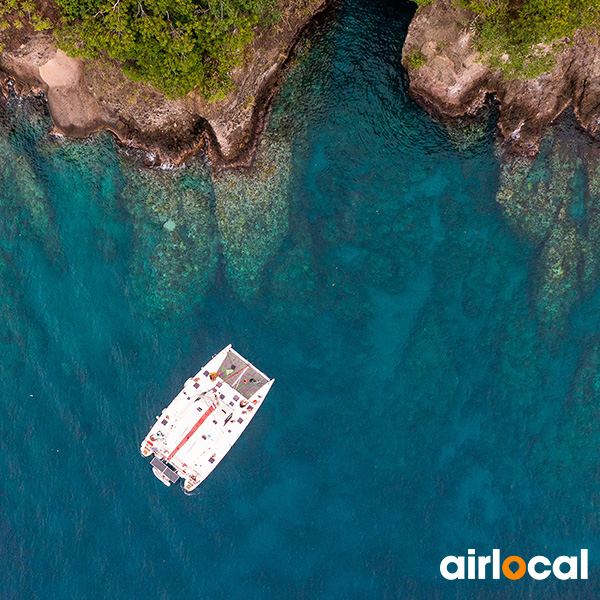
(23, 193)
(252, 214)
(89, 171)
(553, 201)
(174, 255)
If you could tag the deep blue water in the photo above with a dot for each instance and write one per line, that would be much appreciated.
(428, 308)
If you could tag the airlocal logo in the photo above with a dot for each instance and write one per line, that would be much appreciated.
(514, 567)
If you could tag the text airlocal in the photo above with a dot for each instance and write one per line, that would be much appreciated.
(514, 567)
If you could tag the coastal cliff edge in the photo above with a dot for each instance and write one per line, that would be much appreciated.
(450, 79)
(85, 96)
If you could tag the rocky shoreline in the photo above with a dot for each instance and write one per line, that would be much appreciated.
(450, 79)
(87, 96)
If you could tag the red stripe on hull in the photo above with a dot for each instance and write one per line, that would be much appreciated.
(191, 432)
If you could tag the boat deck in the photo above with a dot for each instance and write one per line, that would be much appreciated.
(243, 377)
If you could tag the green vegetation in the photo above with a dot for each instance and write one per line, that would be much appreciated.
(523, 37)
(415, 58)
(177, 45)
(17, 13)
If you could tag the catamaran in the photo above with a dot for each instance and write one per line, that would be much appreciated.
(195, 432)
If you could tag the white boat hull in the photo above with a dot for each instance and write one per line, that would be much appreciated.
(195, 432)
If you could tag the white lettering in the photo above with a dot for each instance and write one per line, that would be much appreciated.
(538, 567)
(471, 565)
(496, 563)
(537, 560)
(483, 561)
(569, 560)
(459, 561)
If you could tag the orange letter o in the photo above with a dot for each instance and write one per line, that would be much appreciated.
(519, 572)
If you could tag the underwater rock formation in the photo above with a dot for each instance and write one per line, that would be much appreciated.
(22, 193)
(546, 201)
(19, 180)
(252, 214)
(174, 254)
(89, 170)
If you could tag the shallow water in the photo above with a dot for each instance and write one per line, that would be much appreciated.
(430, 316)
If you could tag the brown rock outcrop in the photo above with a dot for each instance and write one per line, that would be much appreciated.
(74, 110)
(85, 96)
(453, 81)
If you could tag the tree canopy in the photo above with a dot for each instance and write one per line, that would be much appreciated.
(177, 45)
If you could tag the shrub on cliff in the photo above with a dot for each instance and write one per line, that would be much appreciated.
(177, 45)
(522, 37)
(416, 59)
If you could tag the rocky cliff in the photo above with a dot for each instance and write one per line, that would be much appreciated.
(85, 96)
(450, 79)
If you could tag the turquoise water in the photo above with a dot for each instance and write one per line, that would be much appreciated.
(429, 311)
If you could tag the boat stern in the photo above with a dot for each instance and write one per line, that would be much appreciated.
(163, 471)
